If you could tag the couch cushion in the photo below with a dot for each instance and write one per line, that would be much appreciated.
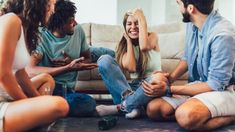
(171, 45)
(167, 28)
(106, 35)
(87, 29)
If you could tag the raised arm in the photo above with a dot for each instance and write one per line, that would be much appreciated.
(128, 59)
(147, 41)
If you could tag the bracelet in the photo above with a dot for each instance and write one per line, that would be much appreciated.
(168, 91)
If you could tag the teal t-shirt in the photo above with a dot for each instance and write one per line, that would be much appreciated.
(51, 48)
(154, 62)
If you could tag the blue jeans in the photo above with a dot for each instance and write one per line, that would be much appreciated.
(79, 104)
(96, 52)
(116, 83)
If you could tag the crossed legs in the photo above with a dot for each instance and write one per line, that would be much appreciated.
(29, 113)
(191, 115)
(194, 115)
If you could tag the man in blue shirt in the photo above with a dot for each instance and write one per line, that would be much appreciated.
(208, 101)
(62, 52)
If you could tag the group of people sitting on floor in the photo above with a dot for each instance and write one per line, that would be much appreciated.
(42, 48)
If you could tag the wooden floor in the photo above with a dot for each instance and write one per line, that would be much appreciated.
(90, 124)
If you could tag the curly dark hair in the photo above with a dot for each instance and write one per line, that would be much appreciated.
(204, 6)
(32, 13)
(64, 9)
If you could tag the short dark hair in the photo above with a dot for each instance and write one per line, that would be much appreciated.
(204, 6)
(64, 9)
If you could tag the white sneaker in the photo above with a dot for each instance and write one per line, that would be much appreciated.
(133, 114)
(104, 110)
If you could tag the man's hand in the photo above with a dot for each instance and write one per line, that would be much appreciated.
(79, 65)
(167, 75)
(62, 62)
(157, 87)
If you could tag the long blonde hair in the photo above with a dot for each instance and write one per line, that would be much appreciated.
(122, 49)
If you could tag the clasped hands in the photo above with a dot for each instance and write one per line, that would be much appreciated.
(157, 87)
(76, 64)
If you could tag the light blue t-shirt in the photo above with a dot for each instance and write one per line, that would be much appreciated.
(51, 48)
(211, 52)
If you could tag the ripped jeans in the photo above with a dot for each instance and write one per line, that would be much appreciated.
(115, 81)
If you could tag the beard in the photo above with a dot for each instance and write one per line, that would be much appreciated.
(70, 33)
(186, 17)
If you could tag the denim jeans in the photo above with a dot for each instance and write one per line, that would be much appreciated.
(79, 104)
(96, 52)
(116, 83)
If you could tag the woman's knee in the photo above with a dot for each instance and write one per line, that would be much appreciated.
(59, 106)
(104, 61)
(49, 79)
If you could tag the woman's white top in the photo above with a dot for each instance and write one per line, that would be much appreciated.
(21, 59)
(22, 56)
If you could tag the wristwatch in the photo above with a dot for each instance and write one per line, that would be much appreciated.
(168, 91)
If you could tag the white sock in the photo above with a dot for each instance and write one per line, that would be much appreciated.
(104, 110)
(133, 114)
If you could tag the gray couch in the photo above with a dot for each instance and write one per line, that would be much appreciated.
(171, 41)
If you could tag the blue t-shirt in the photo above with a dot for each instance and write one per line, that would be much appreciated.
(51, 48)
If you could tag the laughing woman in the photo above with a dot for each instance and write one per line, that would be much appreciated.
(138, 53)
(18, 37)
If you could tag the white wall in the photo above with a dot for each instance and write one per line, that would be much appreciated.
(96, 11)
(125, 5)
(233, 15)
(226, 9)
(158, 8)
(156, 11)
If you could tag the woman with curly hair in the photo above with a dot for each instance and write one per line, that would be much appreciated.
(18, 38)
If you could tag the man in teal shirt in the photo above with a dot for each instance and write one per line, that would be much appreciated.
(62, 52)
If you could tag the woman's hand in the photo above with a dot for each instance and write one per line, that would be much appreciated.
(138, 13)
(128, 39)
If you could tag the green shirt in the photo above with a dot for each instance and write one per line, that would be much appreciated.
(51, 48)
(154, 62)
